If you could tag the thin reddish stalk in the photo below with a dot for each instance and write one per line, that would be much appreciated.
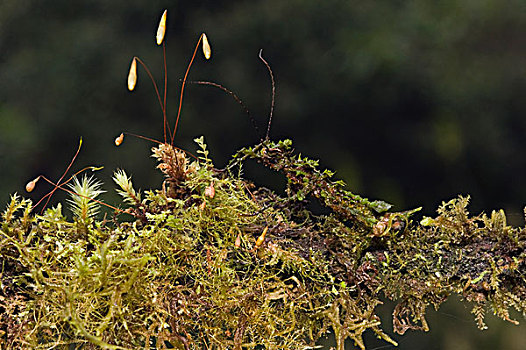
(154, 83)
(165, 90)
(57, 186)
(159, 142)
(64, 174)
(64, 183)
(182, 88)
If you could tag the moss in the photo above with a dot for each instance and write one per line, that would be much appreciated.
(212, 261)
(190, 273)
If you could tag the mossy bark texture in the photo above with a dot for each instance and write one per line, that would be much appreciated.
(211, 261)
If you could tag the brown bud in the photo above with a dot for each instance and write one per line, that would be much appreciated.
(381, 228)
(237, 244)
(210, 190)
(31, 184)
(261, 238)
(118, 140)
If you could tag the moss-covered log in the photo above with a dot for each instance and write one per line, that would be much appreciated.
(210, 260)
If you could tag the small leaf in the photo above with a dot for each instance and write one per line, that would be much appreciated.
(381, 206)
(427, 221)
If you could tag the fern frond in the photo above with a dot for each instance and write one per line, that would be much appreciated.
(81, 202)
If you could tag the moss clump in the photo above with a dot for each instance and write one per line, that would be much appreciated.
(212, 261)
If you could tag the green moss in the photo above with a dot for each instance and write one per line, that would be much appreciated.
(212, 261)
(188, 273)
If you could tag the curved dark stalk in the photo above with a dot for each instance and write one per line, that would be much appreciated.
(160, 143)
(61, 186)
(154, 84)
(235, 97)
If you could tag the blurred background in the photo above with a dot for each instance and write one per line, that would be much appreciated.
(412, 102)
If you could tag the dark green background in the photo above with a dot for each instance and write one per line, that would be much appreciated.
(413, 102)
